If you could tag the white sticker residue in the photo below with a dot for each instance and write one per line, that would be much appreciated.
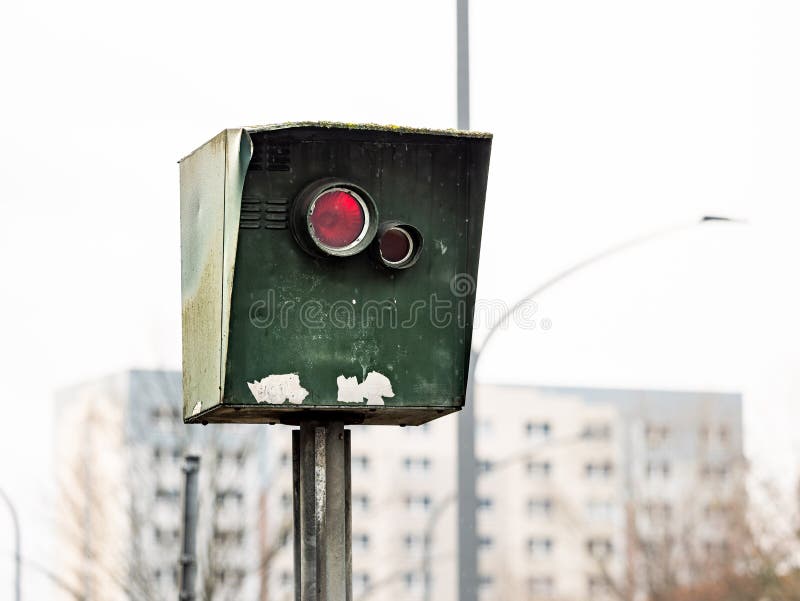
(278, 389)
(197, 407)
(374, 387)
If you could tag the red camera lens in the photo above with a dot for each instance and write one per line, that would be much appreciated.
(338, 218)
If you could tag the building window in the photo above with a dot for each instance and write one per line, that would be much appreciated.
(715, 549)
(167, 495)
(656, 434)
(229, 495)
(361, 502)
(484, 466)
(596, 431)
(485, 503)
(161, 453)
(597, 586)
(599, 547)
(165, 417)
(417, 464)
(657, 470)
(234, 456)
(361, 582)
(286, 579)
(485, 542)
(599, 511)
(538, 430)
(716, 472)
(361, 462)
(418, 502)
(715, 511)
(361, 541)
(539, 469)
(232, 576)
(599, 471)
(485, 583)
(540, 547)
(724, 434)
(411, 580)
(166, 536)
(540, 507)
(415, 541)
(286, 500)
(658, 512)
(229, 536)
(285, 459)
(541, 586)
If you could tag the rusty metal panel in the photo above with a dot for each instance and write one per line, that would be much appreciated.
(208, 176)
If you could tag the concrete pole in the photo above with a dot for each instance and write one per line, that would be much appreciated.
(188, 558)
(17, 547)
(322, 512)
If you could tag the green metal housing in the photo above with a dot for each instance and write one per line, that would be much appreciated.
(273, 334)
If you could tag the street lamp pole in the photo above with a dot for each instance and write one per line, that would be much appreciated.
(467, 463)
(467, 495)
(17, 547)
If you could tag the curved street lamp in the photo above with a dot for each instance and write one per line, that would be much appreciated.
(17, 546)
(467, 464)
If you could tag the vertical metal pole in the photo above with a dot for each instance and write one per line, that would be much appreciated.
(467, 494)
(321, 467)
(462, 24)
(17, 547)
(188, 559)
(467, 468)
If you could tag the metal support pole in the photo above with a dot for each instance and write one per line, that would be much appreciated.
(17, 547)
(322, 512)
(467, 465)
(462, 62)
(188, 558)
(467, 494)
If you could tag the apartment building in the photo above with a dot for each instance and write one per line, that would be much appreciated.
(577, 488)
(583, 492)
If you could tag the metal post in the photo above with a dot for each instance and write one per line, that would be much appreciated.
(467, 468)
(322, 531)
(188, 559)
(467, 494)
(462, 58)
(17, 548)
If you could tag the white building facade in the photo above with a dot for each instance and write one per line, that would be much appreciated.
(577, 488)
(584, 494)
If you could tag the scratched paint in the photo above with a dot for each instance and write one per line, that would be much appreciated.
(277, 389)
(373, 389)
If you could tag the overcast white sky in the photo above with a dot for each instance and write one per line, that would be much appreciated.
(610, 119)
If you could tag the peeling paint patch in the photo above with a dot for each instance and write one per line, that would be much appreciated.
(374, 387)
(442, 246)
(197, 408)
(277, 389)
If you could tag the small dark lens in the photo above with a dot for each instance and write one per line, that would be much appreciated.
(395, 245)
